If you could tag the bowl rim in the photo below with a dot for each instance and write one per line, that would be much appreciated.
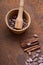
(16, 29)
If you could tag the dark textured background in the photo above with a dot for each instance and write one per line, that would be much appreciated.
(10, 50)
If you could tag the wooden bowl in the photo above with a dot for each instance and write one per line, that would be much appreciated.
(14, 12)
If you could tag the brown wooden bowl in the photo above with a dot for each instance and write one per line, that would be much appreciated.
(14, 12)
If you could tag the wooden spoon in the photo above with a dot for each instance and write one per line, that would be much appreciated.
(19, 20)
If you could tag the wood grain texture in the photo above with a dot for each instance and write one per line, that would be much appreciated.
(10, 50)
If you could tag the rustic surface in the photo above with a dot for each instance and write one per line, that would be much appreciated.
(10, 50)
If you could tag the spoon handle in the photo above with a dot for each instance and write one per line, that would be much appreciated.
(22, 3)
(20, 13)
